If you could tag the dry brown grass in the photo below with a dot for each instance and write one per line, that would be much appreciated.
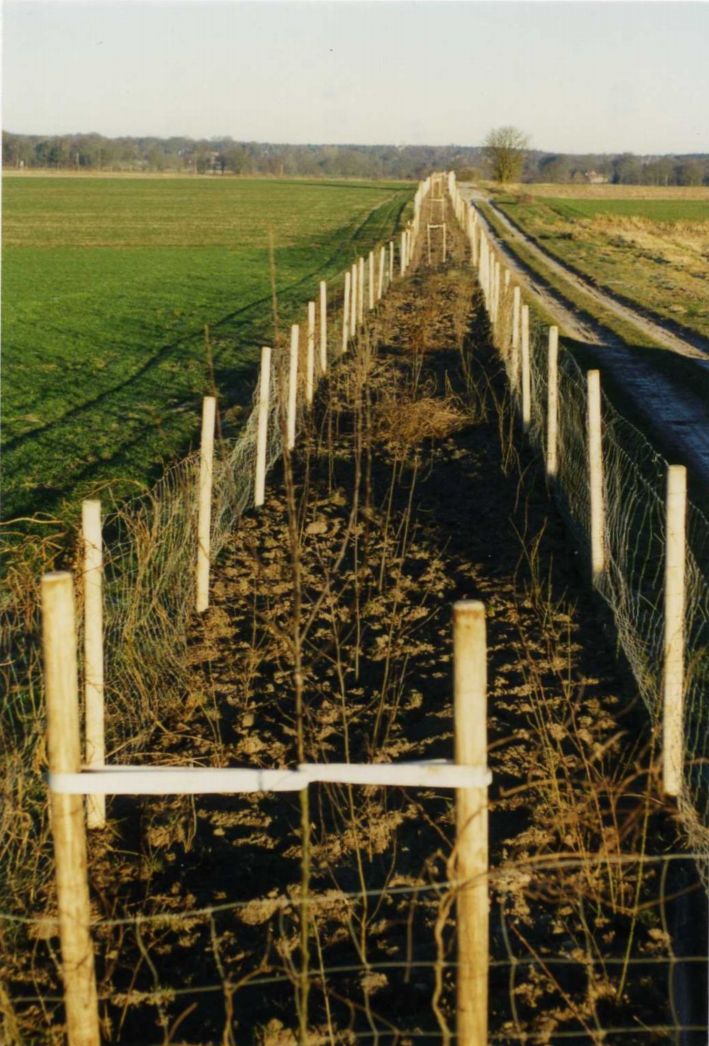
(682, 243)
(407, 423)
(617, 192)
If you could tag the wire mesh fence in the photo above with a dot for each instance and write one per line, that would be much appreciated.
(149, 557)
(635, 535)
(149, 596)
(539, 950)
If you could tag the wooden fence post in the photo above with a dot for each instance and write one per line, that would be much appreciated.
(515, 340)
(553, 403)
(264, 393)
(495, 290)
(66, 811)
(595, 476)
(323, 327)
(526, 372)
(516, 303)
(402, 254)
(310, 355)
(293, 386)
(204, 524)
(382, 266)
(371, 280)
(93, 651)
(391, 261)
(360, 291)
(470, 685)
(673, 676)
(346, 314)
(353, 304)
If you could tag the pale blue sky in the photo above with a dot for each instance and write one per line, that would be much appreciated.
(575, 76)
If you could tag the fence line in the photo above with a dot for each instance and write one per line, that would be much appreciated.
(648, 546)
(258, 448)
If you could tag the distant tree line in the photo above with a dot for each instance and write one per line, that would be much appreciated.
(224, 156)
(620, 169)
(92, 152)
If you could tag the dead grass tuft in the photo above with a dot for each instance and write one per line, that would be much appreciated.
(407, 423)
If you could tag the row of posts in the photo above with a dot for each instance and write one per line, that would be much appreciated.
(380, 273)
(59, 630)
(469, 650)
(495, 280)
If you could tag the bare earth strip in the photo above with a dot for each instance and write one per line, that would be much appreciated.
(682, 415)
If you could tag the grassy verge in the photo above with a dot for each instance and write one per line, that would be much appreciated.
(680, 370)
(648, 254)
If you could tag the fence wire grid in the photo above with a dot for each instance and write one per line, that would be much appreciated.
(632, 585)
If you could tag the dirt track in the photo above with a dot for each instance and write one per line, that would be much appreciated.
(678, 415)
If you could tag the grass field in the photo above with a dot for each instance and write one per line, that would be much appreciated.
(654, 252)
(108, 284)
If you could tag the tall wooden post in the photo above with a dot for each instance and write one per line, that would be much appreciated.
(293, 386)
(93, 651)
(673, 676)
(264, 393)
(310, 355)
(470, 694)
(66, 811)
(391, 261)
(516, 308)
(553, 403)
(402, 254)
(323, 327)
(346, 314)
(371, 280)
(595, 476)
(353, 304)
(360, 291)
(382, 266)
(495, 290)
(204, 523)
(526, 372)
(515, 339)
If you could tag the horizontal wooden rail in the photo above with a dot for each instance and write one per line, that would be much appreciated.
(203, 780)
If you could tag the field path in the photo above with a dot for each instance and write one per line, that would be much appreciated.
(681, 414)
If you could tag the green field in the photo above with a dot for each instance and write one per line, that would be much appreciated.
(653, 252)
(107, 286)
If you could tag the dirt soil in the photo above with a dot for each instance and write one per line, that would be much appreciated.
(411, 488)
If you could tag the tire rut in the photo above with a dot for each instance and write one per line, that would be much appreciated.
(679, 415)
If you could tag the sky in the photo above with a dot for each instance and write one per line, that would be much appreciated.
(575, 76)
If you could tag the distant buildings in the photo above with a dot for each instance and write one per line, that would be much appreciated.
(594, 178)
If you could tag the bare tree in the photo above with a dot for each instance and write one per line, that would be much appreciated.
(505, 151)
